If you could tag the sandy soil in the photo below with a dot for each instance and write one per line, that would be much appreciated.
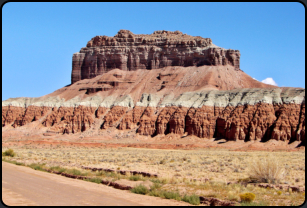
(25, 186)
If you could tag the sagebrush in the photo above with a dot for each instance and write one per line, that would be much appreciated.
(267, 170)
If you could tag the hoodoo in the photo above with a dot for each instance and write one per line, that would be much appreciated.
(166, 82)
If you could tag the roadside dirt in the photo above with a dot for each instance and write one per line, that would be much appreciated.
(25, 186)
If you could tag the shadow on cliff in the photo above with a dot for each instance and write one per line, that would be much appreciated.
(302, 144)
(220, 138)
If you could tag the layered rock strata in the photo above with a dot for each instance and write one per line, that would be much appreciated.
(128, 52)
(239, 114)
(163, 83)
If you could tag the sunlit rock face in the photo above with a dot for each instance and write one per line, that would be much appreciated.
(240, 114)
(127, 51)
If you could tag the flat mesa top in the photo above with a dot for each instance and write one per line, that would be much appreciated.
(157, 37)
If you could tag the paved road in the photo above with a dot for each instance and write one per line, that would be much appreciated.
(25, 186)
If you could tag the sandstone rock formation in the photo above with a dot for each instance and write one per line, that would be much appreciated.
(128, 52)
(240, 114)
(201, 94)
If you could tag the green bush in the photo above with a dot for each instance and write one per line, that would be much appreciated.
(193, 199)
(171, 195)
(9, 152)
(247, 197)
(140, 189)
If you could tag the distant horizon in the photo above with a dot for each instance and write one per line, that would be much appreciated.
(39, 39)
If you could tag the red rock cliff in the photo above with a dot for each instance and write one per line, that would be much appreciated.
(127, 51)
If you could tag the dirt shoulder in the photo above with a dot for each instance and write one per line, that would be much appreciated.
(25, 186)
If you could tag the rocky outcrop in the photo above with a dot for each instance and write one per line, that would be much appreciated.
(129, 52)
(241, 114)
(70, 119)
(148, 122)
(11, 113)
(32, 113)
(201, 121)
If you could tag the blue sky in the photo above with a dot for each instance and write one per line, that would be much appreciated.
(39, 39)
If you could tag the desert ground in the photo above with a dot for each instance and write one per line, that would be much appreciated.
(186, 165)
(16, 181)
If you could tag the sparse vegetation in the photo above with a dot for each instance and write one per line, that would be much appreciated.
(267, 170)
(37, 166)
(58, 169)
(247, 197)
(135, 178)
(9, 152)
(75, 172)
(140, 189)
(187, 173)
(94, 180)
(171, 195)
(13, 162)
(193, 199)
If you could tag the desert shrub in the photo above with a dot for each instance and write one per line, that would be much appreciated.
(37, 166)
(13, 162)
(9, 152)
(171, 195)
(100, 173)
(94, 180)
(165, 194)
(267, 170)
(192, 199)
(74, 172)
(155, 180)
(135, 178)
(162, 162)
(247, 197)
(156, 186)
(156, 193)
(58, 169)
(233, 197)
(140, 189)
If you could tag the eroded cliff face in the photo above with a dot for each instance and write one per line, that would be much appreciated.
(70, 119)
(241, 114)
(129, 52)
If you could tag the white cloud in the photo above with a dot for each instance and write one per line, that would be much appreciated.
(255, 78)
(269, 81)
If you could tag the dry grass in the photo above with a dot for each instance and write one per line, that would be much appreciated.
(184, 171)
(215, 165)
(267, 170)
